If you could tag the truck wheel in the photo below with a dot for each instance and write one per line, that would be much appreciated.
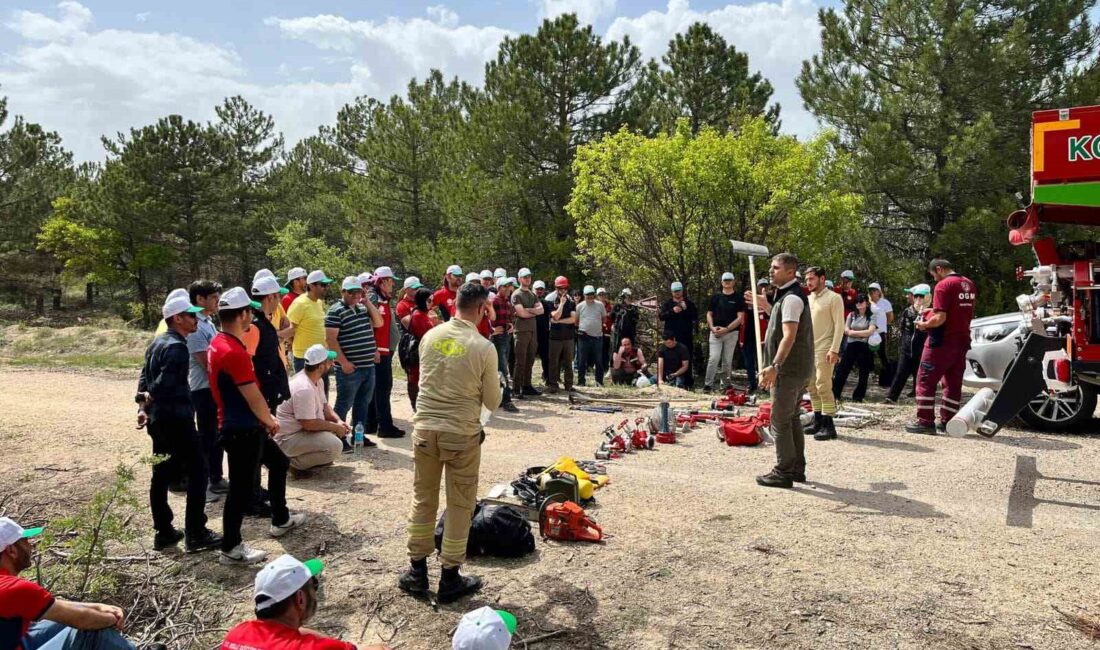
(1060, 411)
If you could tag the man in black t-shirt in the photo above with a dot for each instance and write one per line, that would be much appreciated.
(563, 328)
(673, 362)
(724, 318)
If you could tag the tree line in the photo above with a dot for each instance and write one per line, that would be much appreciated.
(578, 157)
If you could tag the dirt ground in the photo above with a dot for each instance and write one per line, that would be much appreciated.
(897, 541)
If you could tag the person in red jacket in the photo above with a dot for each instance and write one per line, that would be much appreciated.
(379, 415)
(944, 356)
(285, 597)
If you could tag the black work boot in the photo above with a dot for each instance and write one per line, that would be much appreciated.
(815, 427)
(453, 586)
(827, 430)
(415, 580)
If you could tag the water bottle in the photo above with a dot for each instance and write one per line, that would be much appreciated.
(358, 438)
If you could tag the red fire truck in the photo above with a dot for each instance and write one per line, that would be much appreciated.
(1058, 346)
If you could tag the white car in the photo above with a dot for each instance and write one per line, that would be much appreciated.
(994, 342)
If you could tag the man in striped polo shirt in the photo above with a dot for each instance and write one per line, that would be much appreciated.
(349, 330)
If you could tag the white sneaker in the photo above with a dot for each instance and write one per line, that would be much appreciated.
(242, 555)
(295, 521)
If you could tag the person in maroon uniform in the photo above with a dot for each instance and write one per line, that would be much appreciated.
(444, 297)
(944, 357)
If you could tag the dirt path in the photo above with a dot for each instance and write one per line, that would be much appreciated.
(897, 541)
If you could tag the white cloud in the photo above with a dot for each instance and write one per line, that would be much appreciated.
(777, 36)
(143, 16)
(396, 50)
(588, 11)
(85, 83)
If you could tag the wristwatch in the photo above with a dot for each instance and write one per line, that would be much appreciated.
(777, 365)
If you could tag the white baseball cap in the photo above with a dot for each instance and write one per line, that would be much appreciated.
(589, 289)
(352, 283)
(178, 305)
(727, 276)
(11, 532)
(365, 278)
(921, 289)
(318, 353)
(295, 273)
(601, 290)
(484, 628)
(874, 285)
(266, 285)
(236, 298)
(177, 293)
(283, 577)
(454, 269)
(677, 286)
(501, 282)
(473, 277)
(383, 272)
(524, 272)
(539, 284)
(848, 275)
(828, 284)
(626, 292)
(264, 273)
(412, 282)
(318, 277)
(486, 275)
(499, 273)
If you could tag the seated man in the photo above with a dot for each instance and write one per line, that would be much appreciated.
(673, 361)
(286, 597)
(31, 618)
(628, 364)
(310, 434)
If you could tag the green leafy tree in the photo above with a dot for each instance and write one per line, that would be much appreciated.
(34, 169)
(934, 101)
(250, 150)
(707, 81)
(295, 246)
(545, 95)
(655, 210)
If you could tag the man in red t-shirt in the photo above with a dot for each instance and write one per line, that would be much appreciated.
(286, 598)
(444, 297)
(245, 429)
(30, 617)
(296, 282)
(944, 357)
(847, 291)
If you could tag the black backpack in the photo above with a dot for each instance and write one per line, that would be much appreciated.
(497, 530)
(408, 350)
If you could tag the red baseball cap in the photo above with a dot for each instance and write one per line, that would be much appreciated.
(561, 281)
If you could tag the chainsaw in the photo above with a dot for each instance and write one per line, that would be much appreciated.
(567, 522)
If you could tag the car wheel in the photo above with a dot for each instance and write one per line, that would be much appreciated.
(1060, 411)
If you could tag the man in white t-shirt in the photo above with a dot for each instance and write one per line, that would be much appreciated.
(884, 320)
(310, 433)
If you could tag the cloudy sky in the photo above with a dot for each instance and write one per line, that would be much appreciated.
(96, 67)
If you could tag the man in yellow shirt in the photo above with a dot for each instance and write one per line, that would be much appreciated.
(827, 316)
(458, 378)
(307, 315)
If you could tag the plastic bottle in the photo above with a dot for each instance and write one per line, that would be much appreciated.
(358, 438)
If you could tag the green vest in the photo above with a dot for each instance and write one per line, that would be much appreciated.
(799, 364)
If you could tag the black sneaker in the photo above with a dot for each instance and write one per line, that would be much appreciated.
(799, 477)
(453, 586)
(367, 442)
(258, 509)
(707, 388)
(919, 427)
(345, 448)
(941, 427)
(219, 486)
(415, 579)
(391, 433)
(510, 407)
(162, 541)
(775, 480)
(205, 542)
(179, 487)
(531, 391)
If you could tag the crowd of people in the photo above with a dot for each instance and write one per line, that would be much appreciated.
(238, 380)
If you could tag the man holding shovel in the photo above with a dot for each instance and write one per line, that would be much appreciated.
(789, 353)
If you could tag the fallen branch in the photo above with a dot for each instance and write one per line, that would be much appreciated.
(542, 637)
